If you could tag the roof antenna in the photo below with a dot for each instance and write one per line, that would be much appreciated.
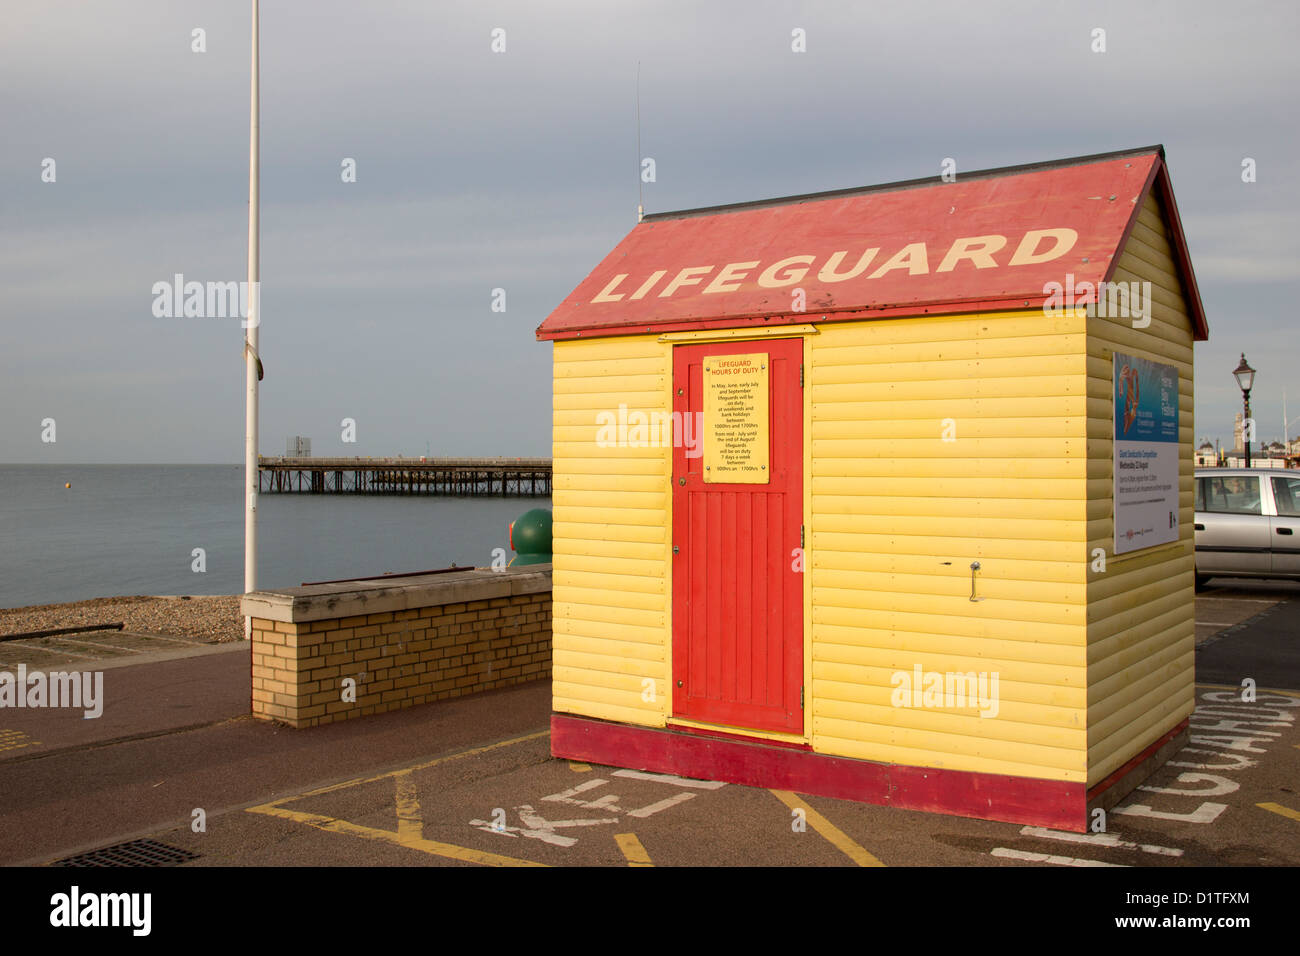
(640, 209)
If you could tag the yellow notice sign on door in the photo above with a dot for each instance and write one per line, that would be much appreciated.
(735, 419)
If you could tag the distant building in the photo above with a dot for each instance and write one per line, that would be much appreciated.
(298, 447)
(1206, 456)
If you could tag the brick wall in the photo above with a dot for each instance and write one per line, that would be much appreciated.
(398, 658)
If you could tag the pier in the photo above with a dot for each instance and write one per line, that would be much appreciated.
(502, 477)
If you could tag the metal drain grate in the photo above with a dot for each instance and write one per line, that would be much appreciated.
(134, 853)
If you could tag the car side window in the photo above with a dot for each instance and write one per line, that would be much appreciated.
(1286, 492)
(1234, 495)
(1200, 493)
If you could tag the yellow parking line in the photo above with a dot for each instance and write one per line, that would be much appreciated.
(838, 838)
(632, 849)
(579, 767)
(419, 766)
(1279, 809)
(409, 840)
(15, 740)
(409, 822)
(410, 827)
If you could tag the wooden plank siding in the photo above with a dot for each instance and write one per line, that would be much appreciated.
(1141, 609)
(898, 515)
(611, 572)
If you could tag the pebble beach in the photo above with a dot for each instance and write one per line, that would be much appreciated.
(198, 617)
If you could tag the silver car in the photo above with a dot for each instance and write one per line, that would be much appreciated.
(1247, 523)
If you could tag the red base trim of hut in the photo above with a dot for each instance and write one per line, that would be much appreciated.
(757, 763)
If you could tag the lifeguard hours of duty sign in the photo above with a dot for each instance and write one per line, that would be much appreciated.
(735, 419)
(1146, 453)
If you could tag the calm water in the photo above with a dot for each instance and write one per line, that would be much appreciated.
(132, 529)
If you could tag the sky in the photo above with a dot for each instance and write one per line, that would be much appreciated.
(518, 170)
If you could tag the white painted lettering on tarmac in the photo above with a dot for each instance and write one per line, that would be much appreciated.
(1109, 840)
(1207, 812)
(1218, 786)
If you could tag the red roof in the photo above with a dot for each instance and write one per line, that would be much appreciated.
(990, 240)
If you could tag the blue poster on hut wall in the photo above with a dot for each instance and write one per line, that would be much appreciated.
(1146, 453)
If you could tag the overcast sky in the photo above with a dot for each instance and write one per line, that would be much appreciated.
(518, 170)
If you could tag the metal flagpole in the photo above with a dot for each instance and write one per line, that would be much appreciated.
(252, 363)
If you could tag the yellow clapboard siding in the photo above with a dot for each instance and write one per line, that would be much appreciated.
(1141, 629)
(840, 747)
(1151, 238)
(885, 670)
(1108, 678)
(589, 646)
(1019, 610)
(1038, 366)
(996, 626)
(574, 666)
(954, 526)
(1143, 693)
(657, 436)
(1174, 343)
(651, 501)
(953, 585)
(599, 483)
(937, 409)
(632, 585)
(589, 449)
(945, 328)
(610, 504)
(843, 641)
(1152, 572)
(611, 516)
(826, 395)
(949, 350)
(962, 423)
(614, 565)
(960, 490)
(850, 738)
(1010, 469)
(1006, 725)
(982, 449)
(836, 533)
(839, 496)
(602, 466)
(1043, 572)
(583, 706)
(593, 403)
(610, 367)
(604, 534)
(649, 637)
(1153, 718)
(585, 598)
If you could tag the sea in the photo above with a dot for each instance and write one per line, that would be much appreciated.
(73, 532)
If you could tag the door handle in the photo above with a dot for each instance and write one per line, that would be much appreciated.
(1198, 527)
(1284, 531)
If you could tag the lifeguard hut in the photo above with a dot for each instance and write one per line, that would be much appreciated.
(885, 494)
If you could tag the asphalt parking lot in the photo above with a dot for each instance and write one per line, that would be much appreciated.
(378, 793)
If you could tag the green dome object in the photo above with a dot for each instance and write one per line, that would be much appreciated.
(530, 536)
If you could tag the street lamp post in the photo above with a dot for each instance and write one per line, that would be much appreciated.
(1245, 376)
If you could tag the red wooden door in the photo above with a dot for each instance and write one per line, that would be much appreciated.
(737, 599)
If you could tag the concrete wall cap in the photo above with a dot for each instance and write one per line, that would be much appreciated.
(320, 602)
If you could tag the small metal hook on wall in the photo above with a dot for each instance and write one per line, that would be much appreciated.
(974, 566)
